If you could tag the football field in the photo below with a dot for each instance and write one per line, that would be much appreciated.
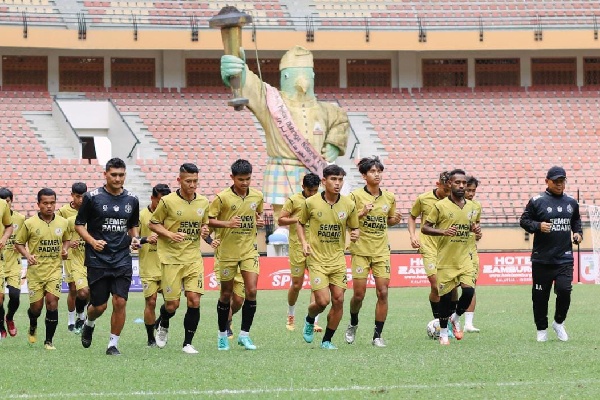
(503, 361)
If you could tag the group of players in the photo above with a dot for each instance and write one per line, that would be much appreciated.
(95, 232)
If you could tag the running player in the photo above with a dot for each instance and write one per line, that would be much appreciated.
(376, 211)
(150, 271)
(181, 220)
(289, 216)
(74, 303)
(238, 211)
(47, 239)
(6, 229)
(452, 219)
(424, 243)
(472, 184)
(327, 217)
(12, 268)
(108, 222)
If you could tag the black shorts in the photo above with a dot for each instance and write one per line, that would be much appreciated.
(106, 281)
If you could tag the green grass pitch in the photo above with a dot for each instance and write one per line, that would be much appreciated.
(503, 361)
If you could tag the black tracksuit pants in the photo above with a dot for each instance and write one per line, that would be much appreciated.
(543, 277)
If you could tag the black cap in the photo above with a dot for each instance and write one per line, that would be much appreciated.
(555, 173)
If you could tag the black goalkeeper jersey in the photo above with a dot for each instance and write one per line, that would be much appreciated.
(109, 217)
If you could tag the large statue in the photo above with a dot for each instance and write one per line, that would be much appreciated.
(303, 134)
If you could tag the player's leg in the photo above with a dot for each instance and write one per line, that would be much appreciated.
(99, 293)
(429, 261)
(171, 281)
(542, 277)
(322, 297)
(293, 292)
(250, 275)
(71, 306)
(381, 309)
(467, 292)
(335, 315)
(36, 303)
(193, 283)
(237, 301)
(227, 272)
(119, 287)
(360, 270)
(150, 317)
(563, 289)
(83, 296)
(13, 284)
(2, 314)
(447, 281)
(317, 328)
(51, 301)
(470, 313)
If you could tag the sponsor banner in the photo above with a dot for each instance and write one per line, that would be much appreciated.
(406, 271)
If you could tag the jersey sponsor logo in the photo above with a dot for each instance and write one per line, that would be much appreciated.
(342, 215)
(200, 212)
(253, 206)
(179, 212)
(319, 214)
(104, 207)
(385, 208)
(329, 231)
(128, 208)
(561, 224)
(233, 207)
(94, 192)
(570, 209)
(378, 222)
(549, 209)
(114, 225)
(58, 231)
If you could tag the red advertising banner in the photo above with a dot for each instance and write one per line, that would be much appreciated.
(407, 271)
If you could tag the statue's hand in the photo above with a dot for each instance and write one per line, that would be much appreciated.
(232, 65)
(331, 152)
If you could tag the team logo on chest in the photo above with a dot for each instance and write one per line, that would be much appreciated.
(319, 214)
(179, 212)
(128, 208)
(253, 206)
(200, 212)
(58, 231)
(570, 209)
(104, 207)
(342, 215)
(549, 209)
(116, 208)
(559, 209)
(385, 208)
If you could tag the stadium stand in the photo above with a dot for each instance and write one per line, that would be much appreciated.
(25, 165)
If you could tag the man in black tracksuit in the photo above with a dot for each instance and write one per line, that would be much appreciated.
(552, 216)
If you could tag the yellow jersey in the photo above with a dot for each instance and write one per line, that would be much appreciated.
(373, 240)
(44, 241)
(9, 254)
(66, 211)
(293, 205)
(421, 208)
(327, 225)
(149, 262)
(453, 251)
(472, 240)
(237, 243)
(177, 214)
(77, 254)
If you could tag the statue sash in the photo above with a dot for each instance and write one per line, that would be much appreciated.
(305, 152)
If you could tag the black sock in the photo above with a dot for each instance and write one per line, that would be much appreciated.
(465, 300)
(445, 309)
(229, 324)
(190, 324)
(51, 324)
(435, 309)
(453, 306)
(248, 311)
(165, 316)
(222, 315)
(80, 305)
(14, 300)
(328, 335)
(353, 319)
(309, 319)
(378, 329)
(2, 317)
(150, 332)
(32, 318)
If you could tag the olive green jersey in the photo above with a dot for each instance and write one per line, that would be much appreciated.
(293, 205)
(4, 215)
(66, 211)
(10, 255)
(44, 241)
(237, 243)
(373, 240)
(77, 254)
(453, 251)
(177, 214)
(327, 226)
(421, 208)
(149, 262)
(472, 240)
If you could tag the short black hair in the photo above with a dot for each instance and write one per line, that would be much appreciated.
(366, 163)
(456, 172)
(311, 180)
(190, 168)
(161, 189)
(45, 192)
(241, 167)
(472, 181)
(444, 177)
(115, 163)
(333, 170)
(79, 188)
(5, 193)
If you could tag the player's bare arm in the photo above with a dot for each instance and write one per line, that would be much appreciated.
(82, 231)
(395, 219)
(412, 228)
(577, 238)
(260, 222)
(234, 222)
(23, 251)
(365, 210)
(65, 249)
(428, 229)
(354, 234)
(160, 230)
(302, 237)
(286, 219)
(545, 227)
(8, 230)
(204, 231)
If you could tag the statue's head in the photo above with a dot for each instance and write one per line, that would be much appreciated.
(297, 73)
